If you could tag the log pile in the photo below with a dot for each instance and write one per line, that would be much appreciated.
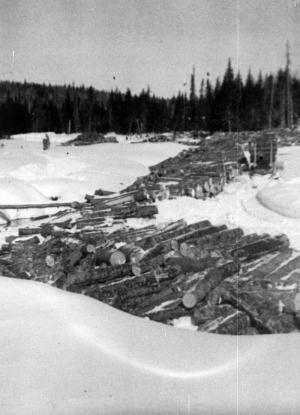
(223, 280)
(198, 172)
(98, 212)
(85, 139)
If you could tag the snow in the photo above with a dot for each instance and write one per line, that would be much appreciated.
(69, 173)
(63, 353)
(261, 204)
(283, 196)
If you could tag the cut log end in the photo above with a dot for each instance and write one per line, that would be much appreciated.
(189, 300)
(117, 258)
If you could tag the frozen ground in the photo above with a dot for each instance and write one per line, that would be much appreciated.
(63, 353)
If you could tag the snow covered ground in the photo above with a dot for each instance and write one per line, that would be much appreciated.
(30, 175)
(63, 353)
(283, 196)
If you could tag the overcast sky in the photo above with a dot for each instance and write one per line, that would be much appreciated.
(144, 42)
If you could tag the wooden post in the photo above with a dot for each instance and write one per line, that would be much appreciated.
(223, 165)
(69, 127)
(271, 153)
(255, 154)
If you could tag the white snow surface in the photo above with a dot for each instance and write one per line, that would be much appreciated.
(283, 196)
(30, 175)
(63, 353)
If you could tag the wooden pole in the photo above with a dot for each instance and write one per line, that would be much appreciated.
(271, 153)
(74, 205)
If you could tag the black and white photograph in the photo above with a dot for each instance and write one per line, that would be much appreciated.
(149, 207)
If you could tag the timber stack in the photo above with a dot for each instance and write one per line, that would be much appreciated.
(199, 172)
(223, 280)
(85, 139)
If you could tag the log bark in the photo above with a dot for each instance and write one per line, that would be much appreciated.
(165, 235)
(260, 248)
(211, 280)
(226, 320)
(29, 231)
(196, 247)
(198, 233)
(74, 205)
(99, 275)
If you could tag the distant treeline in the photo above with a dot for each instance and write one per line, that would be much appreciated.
(231, 104)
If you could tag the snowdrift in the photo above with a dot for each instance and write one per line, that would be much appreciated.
(283, 198)
(63, 353)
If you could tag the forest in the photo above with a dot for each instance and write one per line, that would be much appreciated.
(230, 104)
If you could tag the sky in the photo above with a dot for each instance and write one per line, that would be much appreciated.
(136, 43)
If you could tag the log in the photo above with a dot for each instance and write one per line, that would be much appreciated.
(74, 205)
(167, 294)
(35, 218)
(263, 309)
(157, 250)
(263, 270)
(34, 240)
(188, 265)
(147, 266)
(110, 257)
(101, 192)
(226, 320)
(198, 233)
(260, 248)
(167, 315)
(211, 280)
(285, 269)
(165, 235)
(195, 247)
(133, 253)
(99, 275)
(29, 231)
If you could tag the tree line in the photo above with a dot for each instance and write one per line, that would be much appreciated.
(231, 104)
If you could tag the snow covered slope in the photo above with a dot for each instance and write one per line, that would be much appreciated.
(63, 353)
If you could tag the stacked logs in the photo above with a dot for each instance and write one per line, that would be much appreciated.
(198, 172)
(116, 208)
(90, 138)
(220, 278)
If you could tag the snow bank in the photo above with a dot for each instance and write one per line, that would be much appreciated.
(282, 197)
(63, 353)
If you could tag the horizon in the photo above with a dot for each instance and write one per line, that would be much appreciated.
(135, 44)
